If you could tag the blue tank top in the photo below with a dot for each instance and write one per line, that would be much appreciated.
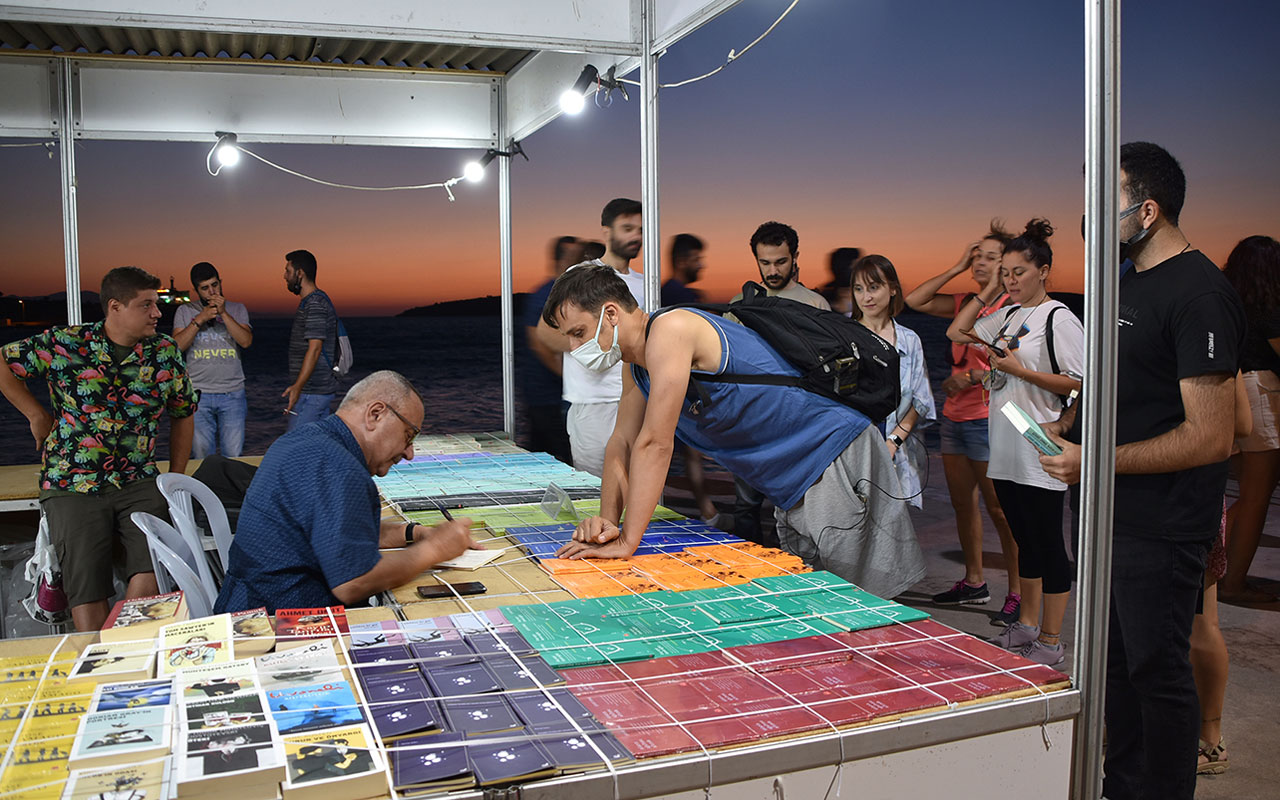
(779, 439)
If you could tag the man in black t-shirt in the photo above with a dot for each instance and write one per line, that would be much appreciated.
(1181, 330)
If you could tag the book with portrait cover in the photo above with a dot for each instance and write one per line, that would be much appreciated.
(195, 643)
(336, 763)
(219, 759)
(253, 632)
(307, 708)
(148, 780)
(131, 694)
(295, 625)
(121, 737)
(224, 711)
(122, 661)
(141, 618)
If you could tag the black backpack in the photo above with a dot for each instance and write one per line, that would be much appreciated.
(837, 357)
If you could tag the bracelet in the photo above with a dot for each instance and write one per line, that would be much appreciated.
(896, 439)
(408, 532)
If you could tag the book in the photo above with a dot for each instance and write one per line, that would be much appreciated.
(252, 631)
(215, 680)
(309, 662)
(509, 761)
(223, 712)
(400, 705)
(141, 618)
(148, 780)
(529, 672)
(452, 680)
(438, 763)
(573, 751)
(553, 710)
(121, 661)
(376, 634)
(1030, 429)
(336, 763)
(384, 660)
(295, 625)
(308, 708)
(121, 737)
(470, 559)
(131, 694)
(195, 643)
(481, 716)
(217, 759)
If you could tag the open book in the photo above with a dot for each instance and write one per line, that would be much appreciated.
(1030, 429)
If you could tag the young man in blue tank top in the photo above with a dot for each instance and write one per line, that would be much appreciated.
(823, 464)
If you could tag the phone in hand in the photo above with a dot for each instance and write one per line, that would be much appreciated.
(443, 590)
(997, 349)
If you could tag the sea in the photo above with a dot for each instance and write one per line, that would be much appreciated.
(456, 362)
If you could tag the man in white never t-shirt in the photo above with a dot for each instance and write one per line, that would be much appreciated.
(593, 396)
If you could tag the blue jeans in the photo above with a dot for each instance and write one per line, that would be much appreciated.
(220, 424)
(310, 408)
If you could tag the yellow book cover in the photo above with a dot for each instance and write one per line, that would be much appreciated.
(334, 763)
(253, 632)
(123, 661)
(147, 780)
(195, 643)
(140, 618)
(28, 785)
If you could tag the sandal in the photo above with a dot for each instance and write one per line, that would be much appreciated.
(1212, 760)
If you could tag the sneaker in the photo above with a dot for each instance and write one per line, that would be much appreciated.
(963, 594)
(1009, 614)
(1212, 760)
(1016, 636)
(1051, 655)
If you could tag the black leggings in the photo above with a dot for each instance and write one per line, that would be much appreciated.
(1035, 517)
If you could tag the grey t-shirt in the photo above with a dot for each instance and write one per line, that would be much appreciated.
(315, 319)
(214, 358)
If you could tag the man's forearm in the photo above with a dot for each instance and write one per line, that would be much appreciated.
(1181, 448)
(185, 336)
(181, 432)
(613, 482)
(650, 461)
(308, 364)
(395, 568)
(242, 335)
(17, 393)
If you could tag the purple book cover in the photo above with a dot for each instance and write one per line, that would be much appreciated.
(419, 760)
(452, 680)
(480, 716)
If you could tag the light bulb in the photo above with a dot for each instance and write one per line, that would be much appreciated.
(473, 171)
(572, 102)
(228, 155)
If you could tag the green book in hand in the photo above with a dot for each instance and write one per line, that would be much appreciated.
(1030, 429)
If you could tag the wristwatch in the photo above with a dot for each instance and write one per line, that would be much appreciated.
(895, 438)
(408, 532)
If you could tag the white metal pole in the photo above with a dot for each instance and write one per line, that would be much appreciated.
(504, 244)
(1102, 291)
(70, 222)
(649, 159)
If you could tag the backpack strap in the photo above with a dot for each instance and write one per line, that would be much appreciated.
(1048, 339)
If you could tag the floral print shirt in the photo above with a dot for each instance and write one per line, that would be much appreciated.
(105, 414)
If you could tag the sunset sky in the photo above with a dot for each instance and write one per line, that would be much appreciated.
(900, 127)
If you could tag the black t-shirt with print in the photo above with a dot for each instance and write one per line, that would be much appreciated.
(1179, 319)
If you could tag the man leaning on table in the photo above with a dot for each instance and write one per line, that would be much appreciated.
(310, 532)
(109, 384)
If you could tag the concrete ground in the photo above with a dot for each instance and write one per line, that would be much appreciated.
(1251, 719)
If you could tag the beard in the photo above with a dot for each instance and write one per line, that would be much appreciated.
(294, 285)
(779, 281)
(625, 250)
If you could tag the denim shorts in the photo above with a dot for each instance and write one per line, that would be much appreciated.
(968, 439)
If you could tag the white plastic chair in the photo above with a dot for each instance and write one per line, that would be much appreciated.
(178, 491)
(168, 563)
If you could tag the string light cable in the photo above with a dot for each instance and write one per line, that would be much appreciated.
(733, 55)
(48, 146)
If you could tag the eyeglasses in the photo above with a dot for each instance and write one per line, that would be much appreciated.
(413, 429)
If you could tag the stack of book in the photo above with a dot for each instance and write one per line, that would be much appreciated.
(141, 618)
(253, 632)
(296, 626)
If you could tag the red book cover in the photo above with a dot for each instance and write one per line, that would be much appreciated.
(793, 652)
(719, 732)
(647, 741)
(595, 677)
(899, 702)
(310, 623)
(839, 711)
(870, 637)
(861, 676)
(769, 724)
(681, 699)
(795, 683)
(926, 662)
(740, 692)
(622, 705)
(678, 665)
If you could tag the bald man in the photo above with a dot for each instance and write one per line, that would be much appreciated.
(310, 532)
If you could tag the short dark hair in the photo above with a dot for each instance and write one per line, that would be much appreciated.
(588, 287)
(842, 259)
(618, 207)
(878, 269)
(1253, 268)
(997, 233)
(683, 244)
(560, 245)
(776, 233)
(202, 272)
(303, 260)
(1034, 241)
(1152, 174)
(591, 250)
(124, 284)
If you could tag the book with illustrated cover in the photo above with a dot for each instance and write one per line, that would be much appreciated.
(131, 694)
(384, 660)
(148, 780)
(336, 763)
(481, 716)
(294, 625)
(400, 705)
(437, 763)
(252, 631)
(121, 737)
(218, 759)
(307, 708)
(451, 680)
(376, 634)
(554, 710)
(223, 712)
(511, 761)
(573, 751)
(528, 672)
(216, 680)
(309, 662)
(195, 643)
(122, 661)
(141, 618)
(1030, 429)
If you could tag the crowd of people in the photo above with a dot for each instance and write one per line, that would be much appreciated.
(612, 390)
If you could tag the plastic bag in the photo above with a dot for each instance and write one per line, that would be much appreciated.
(47, 602)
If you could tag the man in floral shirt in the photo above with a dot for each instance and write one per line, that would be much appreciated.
(109, 384)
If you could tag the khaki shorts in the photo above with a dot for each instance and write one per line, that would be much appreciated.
(91, 532)
(1263, 389)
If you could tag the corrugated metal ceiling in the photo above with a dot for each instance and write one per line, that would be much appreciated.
(203, 44)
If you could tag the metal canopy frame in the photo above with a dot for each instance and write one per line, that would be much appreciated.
(72, 95)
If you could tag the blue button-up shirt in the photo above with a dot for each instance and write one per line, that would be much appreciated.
(310, 522)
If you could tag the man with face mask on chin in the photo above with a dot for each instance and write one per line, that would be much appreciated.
(822, 463)
(1180, 337)
(313, 344)
(593, 396)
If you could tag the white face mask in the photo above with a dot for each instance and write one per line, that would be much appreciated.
(592, 357)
